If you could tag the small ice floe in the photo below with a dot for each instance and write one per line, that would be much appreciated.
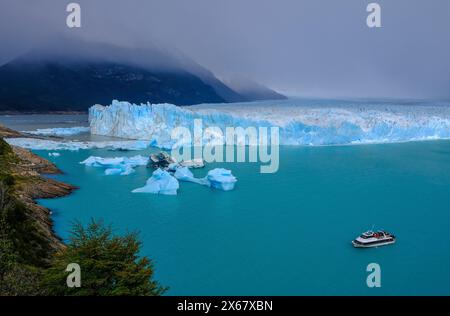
(54, 154)
(45, 144)
(222, 179)
(59, 131)
(184, 174)
(194, 163)
(161, 182)
(117, 165)
(218, 178)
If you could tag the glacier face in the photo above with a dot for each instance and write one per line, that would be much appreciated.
(332, 124)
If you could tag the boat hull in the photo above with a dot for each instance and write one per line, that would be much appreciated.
(372, 245)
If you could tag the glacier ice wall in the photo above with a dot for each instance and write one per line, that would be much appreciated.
(299, 125)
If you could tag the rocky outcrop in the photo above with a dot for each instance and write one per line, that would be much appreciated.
(27, 169)
(32, 164)
(7, 132)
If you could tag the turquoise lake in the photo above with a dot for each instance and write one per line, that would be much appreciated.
(286, 233)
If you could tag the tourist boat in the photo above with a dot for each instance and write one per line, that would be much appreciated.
(373, 239)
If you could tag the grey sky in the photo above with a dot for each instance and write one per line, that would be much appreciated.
(313, 47)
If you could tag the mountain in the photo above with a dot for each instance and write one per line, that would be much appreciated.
(253, 91)
(54, 86)
(72, 75)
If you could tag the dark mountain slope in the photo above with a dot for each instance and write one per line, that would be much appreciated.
(72, 75)
(253, 91)
(54, 86)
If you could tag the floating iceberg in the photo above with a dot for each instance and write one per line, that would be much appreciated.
(222, 179)
(161, 182)
(59, 131)
(45, 144)
(193, 163)
(54, 154)
(117, 165)
(218, 178)
(299, 124)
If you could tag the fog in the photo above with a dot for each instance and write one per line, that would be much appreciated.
(302, 47)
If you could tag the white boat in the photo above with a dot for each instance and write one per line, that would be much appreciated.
(374, 239)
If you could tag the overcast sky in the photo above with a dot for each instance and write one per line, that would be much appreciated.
(310, 47)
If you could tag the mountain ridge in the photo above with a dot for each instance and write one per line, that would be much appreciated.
(75, 75)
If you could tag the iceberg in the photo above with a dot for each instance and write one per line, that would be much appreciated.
(54, 154)
(45, 144)
(161, 182)
(218, 178)
(59, 131)
(222, 179)
(193, 163)
(299, 124)
(184, 174)
(116, 166)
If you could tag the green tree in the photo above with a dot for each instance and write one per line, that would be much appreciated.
(15, 278)
(110, 264)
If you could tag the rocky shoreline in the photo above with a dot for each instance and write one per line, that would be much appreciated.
(29, 170)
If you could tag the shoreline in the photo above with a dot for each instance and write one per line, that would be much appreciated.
(29, 170)
(43, 113)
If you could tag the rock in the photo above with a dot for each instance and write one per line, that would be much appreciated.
(32, 162)
(7, 132)
(25, 168)
(160, 160)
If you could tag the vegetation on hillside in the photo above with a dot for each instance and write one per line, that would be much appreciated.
(31, 265)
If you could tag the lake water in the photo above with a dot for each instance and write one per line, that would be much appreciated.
(286, 233)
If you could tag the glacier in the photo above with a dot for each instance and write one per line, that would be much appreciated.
(46, 144)
(117, 165)
(298, 124)
(59, 131)
(217, 178)
(161, 182)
